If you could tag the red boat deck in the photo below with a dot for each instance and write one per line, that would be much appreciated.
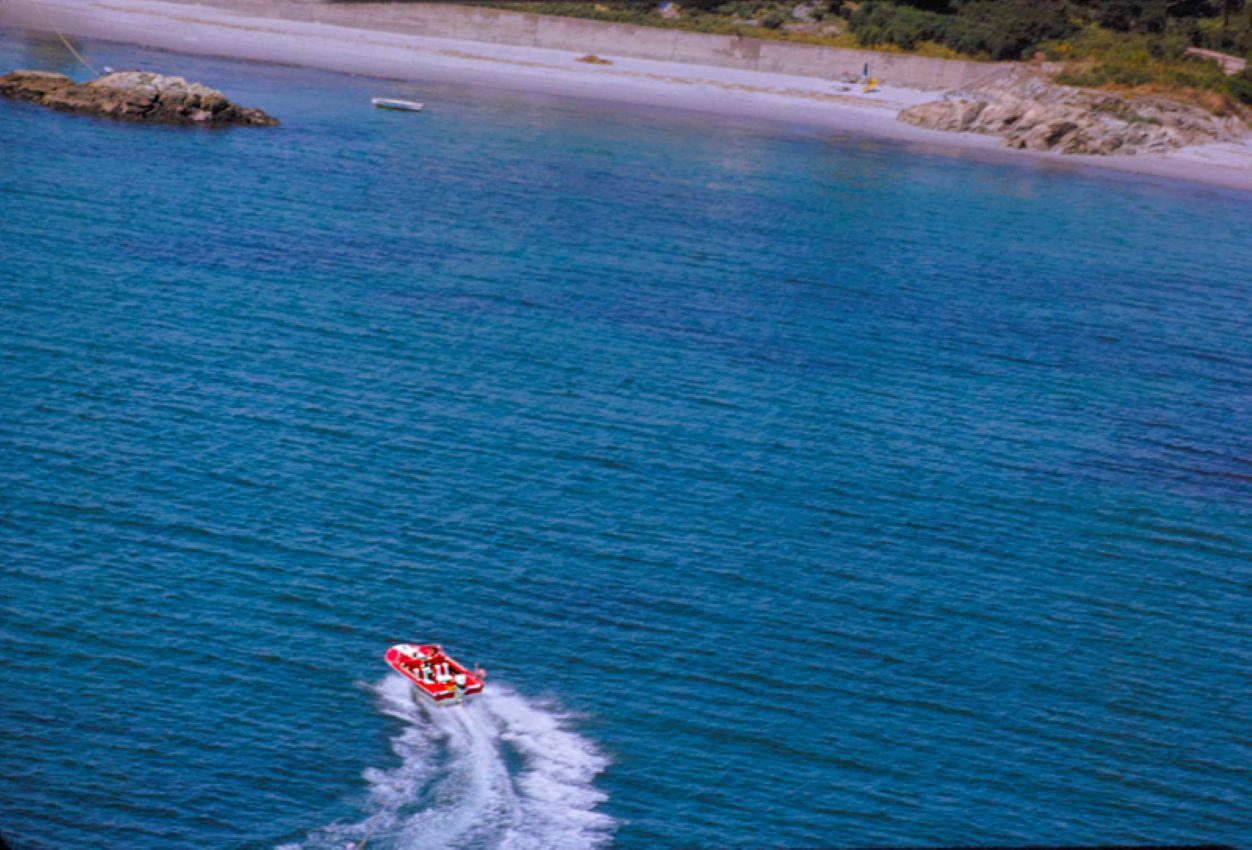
(433, 672)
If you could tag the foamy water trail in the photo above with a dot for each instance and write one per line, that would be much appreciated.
(501, 771)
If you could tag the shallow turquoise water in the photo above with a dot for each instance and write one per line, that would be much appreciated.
(794, 490)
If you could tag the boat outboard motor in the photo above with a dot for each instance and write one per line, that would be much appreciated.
(458, 682)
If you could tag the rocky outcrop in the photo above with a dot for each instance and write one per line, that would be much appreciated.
(1030, 111)
(132, 96)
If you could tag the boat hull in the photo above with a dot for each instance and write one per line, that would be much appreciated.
(409, 660)
(400, 105)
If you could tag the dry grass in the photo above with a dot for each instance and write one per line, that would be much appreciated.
(1138, 65)
(1219, 103)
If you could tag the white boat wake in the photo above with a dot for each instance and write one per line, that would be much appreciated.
(498, 772)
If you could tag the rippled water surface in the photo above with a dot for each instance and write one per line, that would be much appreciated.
(794, 490)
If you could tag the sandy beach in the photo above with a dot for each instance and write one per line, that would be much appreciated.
(259, 32)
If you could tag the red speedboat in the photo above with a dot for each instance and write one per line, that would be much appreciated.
(434, 673)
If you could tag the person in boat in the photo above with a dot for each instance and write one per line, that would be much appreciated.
(430, 664)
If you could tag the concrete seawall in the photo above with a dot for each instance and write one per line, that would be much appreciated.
(470, 23)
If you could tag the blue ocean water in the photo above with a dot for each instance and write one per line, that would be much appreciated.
(793, 489)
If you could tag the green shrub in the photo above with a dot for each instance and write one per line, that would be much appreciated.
(1131, 15)
(943, 6)
(1241, 85)
(1102, 57)
(772, 20)
(1000, 29)
(1006, 29)
(904, 26)
(1235, 38)
(700, 5)
(1167, 48)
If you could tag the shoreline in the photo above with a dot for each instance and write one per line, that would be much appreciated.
(729, 92)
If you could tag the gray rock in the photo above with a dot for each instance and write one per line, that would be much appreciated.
(132, 96)
(804, 12)
(1030, 111)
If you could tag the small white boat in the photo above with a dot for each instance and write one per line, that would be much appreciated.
(393, 103)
